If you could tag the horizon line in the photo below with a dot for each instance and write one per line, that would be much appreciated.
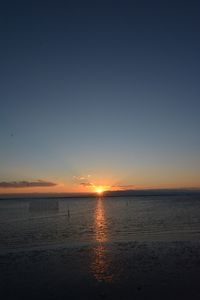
(108, 193)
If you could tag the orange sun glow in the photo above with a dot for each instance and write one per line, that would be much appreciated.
(99, 191)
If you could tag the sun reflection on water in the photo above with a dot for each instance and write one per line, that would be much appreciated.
(100, 222)
(100, 265)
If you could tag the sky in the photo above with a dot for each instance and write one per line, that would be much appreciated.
(99, 94)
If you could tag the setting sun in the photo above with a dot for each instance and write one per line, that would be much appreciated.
(99, 191)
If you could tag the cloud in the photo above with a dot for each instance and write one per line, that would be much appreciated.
(26, 184)
(81, 177)
(124, 187)
(86, 184)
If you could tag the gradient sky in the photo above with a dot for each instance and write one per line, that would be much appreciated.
(99, 93)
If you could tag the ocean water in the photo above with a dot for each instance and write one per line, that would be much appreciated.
(100, 248)
(27, 224)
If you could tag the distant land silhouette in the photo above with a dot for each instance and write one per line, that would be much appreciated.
(118, 193)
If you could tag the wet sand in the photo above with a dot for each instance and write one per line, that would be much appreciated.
(128, 270)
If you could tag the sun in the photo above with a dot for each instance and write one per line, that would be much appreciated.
(99, 191)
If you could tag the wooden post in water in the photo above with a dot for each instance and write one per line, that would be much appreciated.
(68, 212)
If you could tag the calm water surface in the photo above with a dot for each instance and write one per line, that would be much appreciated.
(43, 223)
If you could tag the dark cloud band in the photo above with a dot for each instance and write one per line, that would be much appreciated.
(86, 184)
(26, 184)
(124, 187)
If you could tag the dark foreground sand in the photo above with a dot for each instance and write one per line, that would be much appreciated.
(151, 270)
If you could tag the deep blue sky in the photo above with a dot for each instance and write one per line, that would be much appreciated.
(106, 88)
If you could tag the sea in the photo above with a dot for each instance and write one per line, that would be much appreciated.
(41, 223)
(127, 247)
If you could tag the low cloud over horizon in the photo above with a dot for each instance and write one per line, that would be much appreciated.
(86, 184)
(26, 184)
(109, 187)
(124, 187)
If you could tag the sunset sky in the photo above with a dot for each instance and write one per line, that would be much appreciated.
(99, 94)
